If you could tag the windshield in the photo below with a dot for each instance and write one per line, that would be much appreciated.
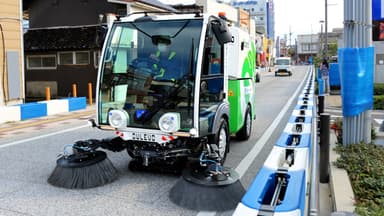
(282, 62)
(148, 69)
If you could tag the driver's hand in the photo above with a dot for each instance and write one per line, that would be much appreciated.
(154, 57)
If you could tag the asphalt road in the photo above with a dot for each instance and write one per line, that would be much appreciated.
(28, 155)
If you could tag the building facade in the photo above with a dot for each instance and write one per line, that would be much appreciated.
(257, 11)
(11, 52)
(64, 41)
(313, 45)
(262, 12)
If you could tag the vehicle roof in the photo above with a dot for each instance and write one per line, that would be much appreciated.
(134, 16)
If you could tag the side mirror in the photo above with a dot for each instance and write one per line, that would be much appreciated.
(221, 32)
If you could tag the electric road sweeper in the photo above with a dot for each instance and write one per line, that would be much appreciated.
(172, 89)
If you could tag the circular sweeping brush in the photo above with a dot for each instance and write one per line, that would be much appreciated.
(83, 170)
(208, 189)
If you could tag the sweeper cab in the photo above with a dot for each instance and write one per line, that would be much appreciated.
(175, 88)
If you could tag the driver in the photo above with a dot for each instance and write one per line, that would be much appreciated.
(165, 62)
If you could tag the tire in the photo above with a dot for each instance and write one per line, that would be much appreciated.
(275, 74)
(221, 139)
(245, 132)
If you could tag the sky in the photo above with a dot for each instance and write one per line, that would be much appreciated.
(304, 16)
(298, 16)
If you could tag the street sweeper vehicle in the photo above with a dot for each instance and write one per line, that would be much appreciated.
(171, 88)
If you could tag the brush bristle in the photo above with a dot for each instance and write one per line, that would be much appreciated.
(91, 176)
(206, 198)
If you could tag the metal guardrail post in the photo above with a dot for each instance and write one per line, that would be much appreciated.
(321, 104)
(324, 147)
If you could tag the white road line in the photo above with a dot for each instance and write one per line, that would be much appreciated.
(42, 136)
(206, 213)
(249, 158)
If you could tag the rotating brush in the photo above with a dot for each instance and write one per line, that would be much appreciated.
(83, 169)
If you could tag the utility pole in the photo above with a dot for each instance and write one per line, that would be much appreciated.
(290, 35)
(357, 34)
(326, 30)
(321, 45)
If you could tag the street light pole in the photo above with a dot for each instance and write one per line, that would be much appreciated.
(326, 29)
(321, 45)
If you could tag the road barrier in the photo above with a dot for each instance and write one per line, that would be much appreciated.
(41, 108)
(281, 186)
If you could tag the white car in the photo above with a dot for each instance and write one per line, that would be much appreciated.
(283, 65)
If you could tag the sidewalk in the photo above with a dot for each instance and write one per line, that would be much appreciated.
(333, 101)
(10, 126)
(340, 189)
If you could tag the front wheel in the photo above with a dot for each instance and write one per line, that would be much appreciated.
(245, 132)
(221, 139)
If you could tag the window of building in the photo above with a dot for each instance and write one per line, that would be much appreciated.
(74, 58)
(41, 62)
(65, 58)
(380, 59)
(81, 58)
(306, 47)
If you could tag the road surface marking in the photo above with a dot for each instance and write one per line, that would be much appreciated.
(42, 136)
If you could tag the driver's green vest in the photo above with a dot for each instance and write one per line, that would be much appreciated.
(162, 70)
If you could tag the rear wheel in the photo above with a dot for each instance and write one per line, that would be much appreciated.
(245, 132)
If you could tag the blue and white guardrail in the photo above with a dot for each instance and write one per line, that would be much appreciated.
(281, 185)
(26, 111)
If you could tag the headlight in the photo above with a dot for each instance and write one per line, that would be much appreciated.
(169, 122)
(118, 118)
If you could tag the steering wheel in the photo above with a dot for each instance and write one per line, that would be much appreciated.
(145, 64)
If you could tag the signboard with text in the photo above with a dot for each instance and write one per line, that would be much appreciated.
(378, 20)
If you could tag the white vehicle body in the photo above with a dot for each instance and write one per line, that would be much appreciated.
(283, 65)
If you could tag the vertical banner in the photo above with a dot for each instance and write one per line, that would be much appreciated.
(356, 75)
(334, 75)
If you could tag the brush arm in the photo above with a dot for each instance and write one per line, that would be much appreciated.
(115, 144)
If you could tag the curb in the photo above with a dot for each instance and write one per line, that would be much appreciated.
(343, 198)
(27, 111)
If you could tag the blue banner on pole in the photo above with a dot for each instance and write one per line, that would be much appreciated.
(356, 75)
(334, 75)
